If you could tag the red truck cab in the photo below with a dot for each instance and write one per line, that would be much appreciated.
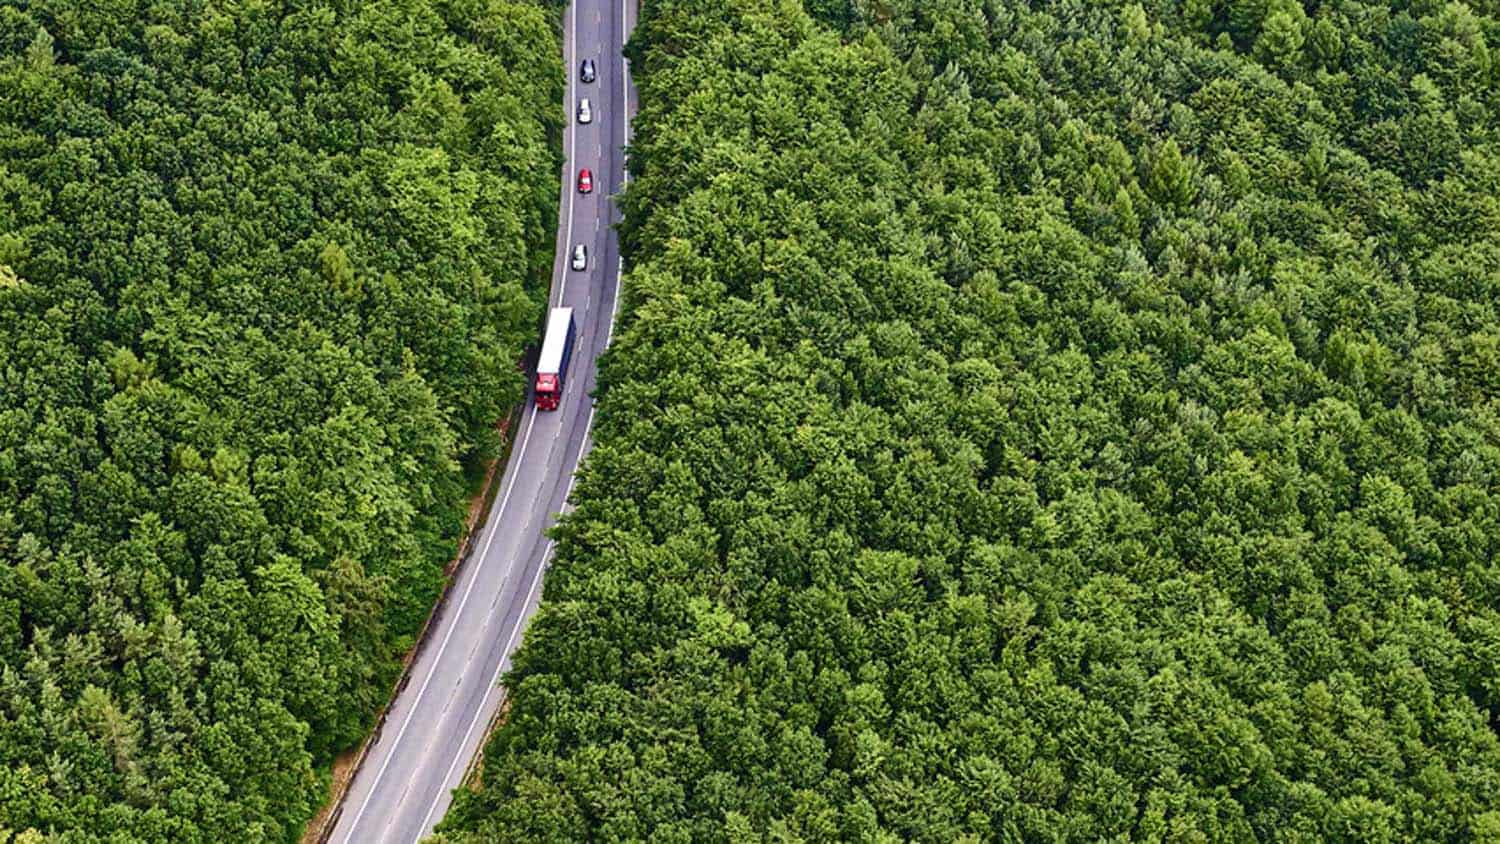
(552, 363)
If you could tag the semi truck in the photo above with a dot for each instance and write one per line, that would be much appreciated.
(552, 363)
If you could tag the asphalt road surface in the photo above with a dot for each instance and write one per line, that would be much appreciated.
(437, 721)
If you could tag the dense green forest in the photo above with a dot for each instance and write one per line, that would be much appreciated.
(1053, 421)
(265, 271)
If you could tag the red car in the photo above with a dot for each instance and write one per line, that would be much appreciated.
(585, 181)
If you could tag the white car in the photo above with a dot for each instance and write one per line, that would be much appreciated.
(580, 257)
(585, 114)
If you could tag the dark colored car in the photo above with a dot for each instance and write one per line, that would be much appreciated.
(586, 71)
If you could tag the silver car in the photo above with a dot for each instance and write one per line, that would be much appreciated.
(585, 114)
(580, 257)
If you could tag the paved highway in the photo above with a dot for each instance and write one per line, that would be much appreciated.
(437, 721)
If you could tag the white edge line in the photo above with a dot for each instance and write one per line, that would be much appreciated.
(494, 684)
(421, 690)
(625, 165)
(484, 705)
(568, 166)
(624, 89)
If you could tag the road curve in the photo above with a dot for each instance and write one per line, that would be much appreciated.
(435, 724)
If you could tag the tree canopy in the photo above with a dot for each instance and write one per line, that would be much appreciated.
(1052, 421)
(265, 272)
